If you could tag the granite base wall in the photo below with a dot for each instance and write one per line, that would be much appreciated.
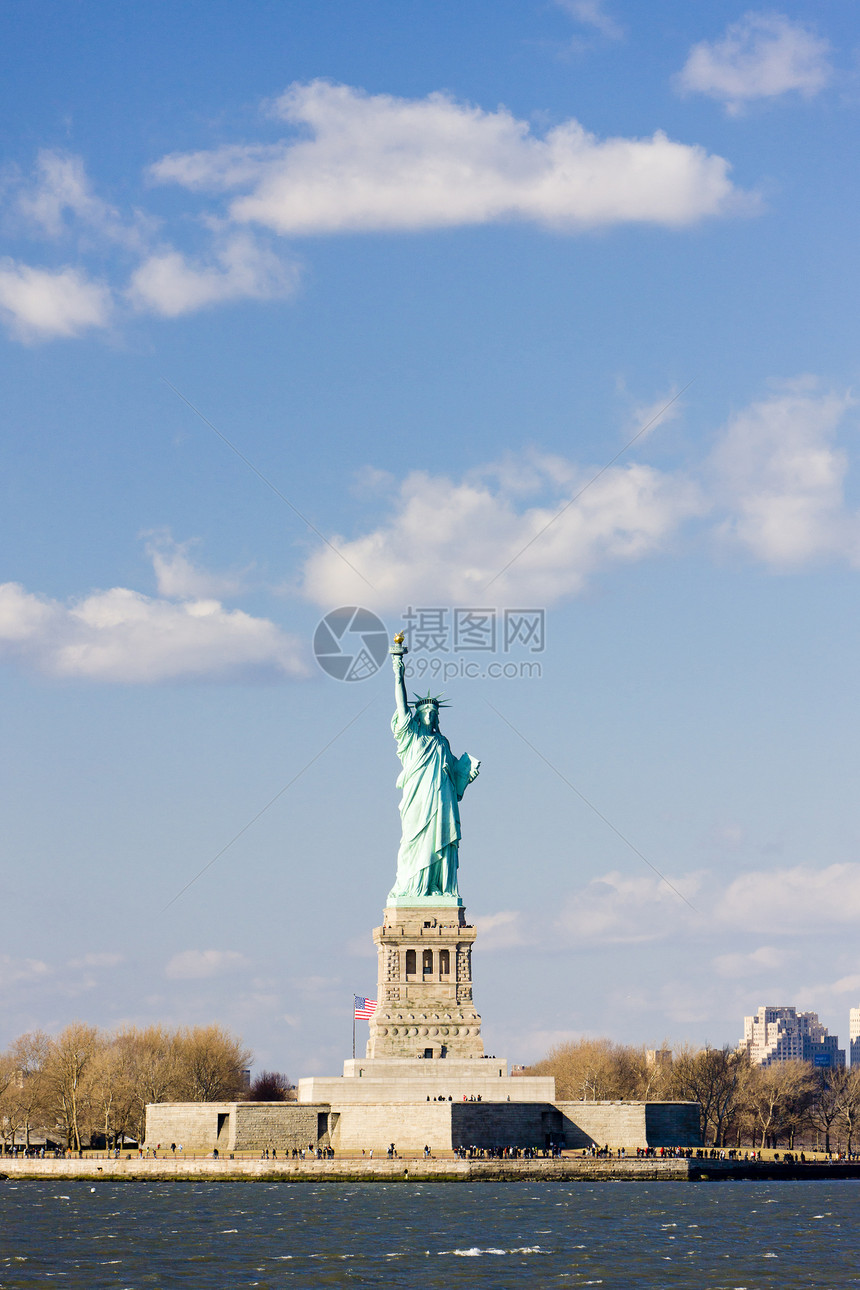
(236, 1126)
(374, 1126)
(443, 1126)
(437, 1082)
(673, 1124)
(282, 1125)
(630, 1125)
(194, 1125)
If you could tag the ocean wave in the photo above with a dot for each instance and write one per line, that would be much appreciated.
(475, 1251)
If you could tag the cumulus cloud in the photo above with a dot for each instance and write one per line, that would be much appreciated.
(750, 964)
(633, 906)
(761, 56)
(501, 931)
(104, 960)
(58, 201)
(450, 538)
(60, 197)
(39, 304)
(171, 284)
(21, 971)
(376, 162)
(195, 965)
(780, 475)
(533, 528)
(352, 162)
(177, 575)
(646, 418)
(832, 991)
(592, 13)
(120, 635)
(796, 899)
(627, 908)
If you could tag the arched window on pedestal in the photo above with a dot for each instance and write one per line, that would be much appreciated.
(410, 962)
(427, 962)
(444, 963)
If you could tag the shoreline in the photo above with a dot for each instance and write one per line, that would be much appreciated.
(573, 1169)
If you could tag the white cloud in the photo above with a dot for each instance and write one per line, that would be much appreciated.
(798, 901)
(376, 162)
(775, 482)
(179, 578)
(500, 931)
(646, 418)
(60, 196)
(591, 13)
(750, 964)
(729, 837)
(830, 996)
(761, 56)
(528, 1044)
(21, 971)
(792, 900)
(847, 985)
(623, 908)
(782, 479)
(120, 635)
(451, 538)
(195, 965)
(60, 201)
(97, 961)
(169, 283)
(37, 304)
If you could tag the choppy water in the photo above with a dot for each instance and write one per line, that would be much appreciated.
(705, 1236)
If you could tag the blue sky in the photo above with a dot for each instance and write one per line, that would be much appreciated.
(431, 269)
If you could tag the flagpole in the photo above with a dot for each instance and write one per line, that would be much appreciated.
(353, 1027)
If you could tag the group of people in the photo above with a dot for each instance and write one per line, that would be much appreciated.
(551, 1152)
(442, 1098)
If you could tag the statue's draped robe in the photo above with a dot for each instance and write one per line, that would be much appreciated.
(433, 781)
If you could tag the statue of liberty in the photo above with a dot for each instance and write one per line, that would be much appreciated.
(433, 782)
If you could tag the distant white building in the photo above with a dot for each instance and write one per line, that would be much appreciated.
(854, 1035)
(786, 1035)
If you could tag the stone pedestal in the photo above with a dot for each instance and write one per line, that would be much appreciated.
(425, 1006)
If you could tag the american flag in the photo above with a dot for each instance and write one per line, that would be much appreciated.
(364, 1008)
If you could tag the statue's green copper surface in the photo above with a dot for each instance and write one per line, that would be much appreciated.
(433, 781)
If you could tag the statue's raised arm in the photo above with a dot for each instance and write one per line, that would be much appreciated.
(397, 658)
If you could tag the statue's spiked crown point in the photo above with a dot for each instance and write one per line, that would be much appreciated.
(429, 701)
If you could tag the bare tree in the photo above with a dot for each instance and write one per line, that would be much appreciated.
(84, 1079)
(10, 1108)
(270, 1086)
(114, 1091)
(849, 1102)
(713, 1077)
(824, 1106)
(209, 1064)
(595, 1070)
(68, 1076)
(29, 1055)
(150, 1058)
(773, 1096)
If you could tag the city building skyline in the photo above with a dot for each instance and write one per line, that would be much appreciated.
(782, 1034)
(854, 1036)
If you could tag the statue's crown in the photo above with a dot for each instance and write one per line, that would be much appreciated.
(429, 701)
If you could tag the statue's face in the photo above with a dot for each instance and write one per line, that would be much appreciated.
(429, 717)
